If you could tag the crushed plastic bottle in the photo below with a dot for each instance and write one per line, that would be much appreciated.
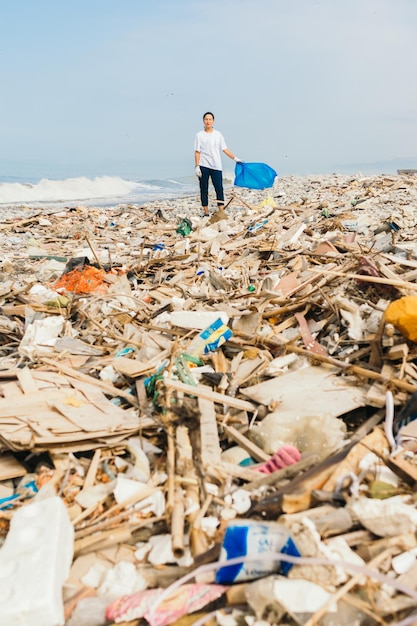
(245, 537)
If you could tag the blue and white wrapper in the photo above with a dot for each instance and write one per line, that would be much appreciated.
(250, 538)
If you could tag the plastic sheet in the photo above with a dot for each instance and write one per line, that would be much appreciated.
(185, 600)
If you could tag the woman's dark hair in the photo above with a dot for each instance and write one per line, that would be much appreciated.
(208, 113)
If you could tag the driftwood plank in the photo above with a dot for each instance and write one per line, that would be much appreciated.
(210, 445)
(27, 383)
(201, 391)
(106, 387)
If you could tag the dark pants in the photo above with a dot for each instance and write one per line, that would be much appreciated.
(216, 179)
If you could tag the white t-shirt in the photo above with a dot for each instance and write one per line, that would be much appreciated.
(210, 146)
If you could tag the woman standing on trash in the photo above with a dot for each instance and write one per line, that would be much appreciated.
(208, 147)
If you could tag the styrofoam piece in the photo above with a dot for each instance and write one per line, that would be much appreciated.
(385, 518)
(161, 552)
(239, 500)
(35, 561)
(122, 579)
(40, 336)
(126, 488)
(403, 562)
(197, 319)
(301, 596)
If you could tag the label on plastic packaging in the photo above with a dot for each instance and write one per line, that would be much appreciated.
(246, 538)
(210, 339)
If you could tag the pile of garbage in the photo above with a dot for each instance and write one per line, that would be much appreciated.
(212, 421)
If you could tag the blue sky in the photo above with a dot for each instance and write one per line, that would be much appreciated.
(106, 87)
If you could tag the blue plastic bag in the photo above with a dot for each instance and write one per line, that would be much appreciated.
(254, 175)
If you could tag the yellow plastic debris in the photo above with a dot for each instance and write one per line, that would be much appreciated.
(402, 314)
(269, 201)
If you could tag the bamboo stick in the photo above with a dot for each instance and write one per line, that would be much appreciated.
(177, 523)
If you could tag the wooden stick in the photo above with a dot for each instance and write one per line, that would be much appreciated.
(92, 470)
(103, 525)
(126, 504)
(87, 512)
(110, 334)
(369, 279)
(353, 369)
(177, 523)
(202, 391)
(226, 470)
(233, 196)
(362, 606)
(110, 537)
(251, 448)
(93, 251)
(170, 469)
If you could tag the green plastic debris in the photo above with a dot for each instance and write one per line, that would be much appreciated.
(152, 389)
(184, 227)
(59, 301)
(251, 288)
(380, 490)
(183, 371)
(195, 360)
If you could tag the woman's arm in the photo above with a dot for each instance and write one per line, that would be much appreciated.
(197, 157)
(231, 155)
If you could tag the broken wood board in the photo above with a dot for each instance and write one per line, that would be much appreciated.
(10, 467)
(37, 419)
(308, 391)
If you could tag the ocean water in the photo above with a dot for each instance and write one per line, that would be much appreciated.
(99, 191)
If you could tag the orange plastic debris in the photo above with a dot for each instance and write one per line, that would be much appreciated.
(85, 279)
(402, 314)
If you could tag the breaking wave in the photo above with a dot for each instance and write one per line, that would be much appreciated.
(101, 191)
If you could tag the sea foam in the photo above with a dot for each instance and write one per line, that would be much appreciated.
(70, 189)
